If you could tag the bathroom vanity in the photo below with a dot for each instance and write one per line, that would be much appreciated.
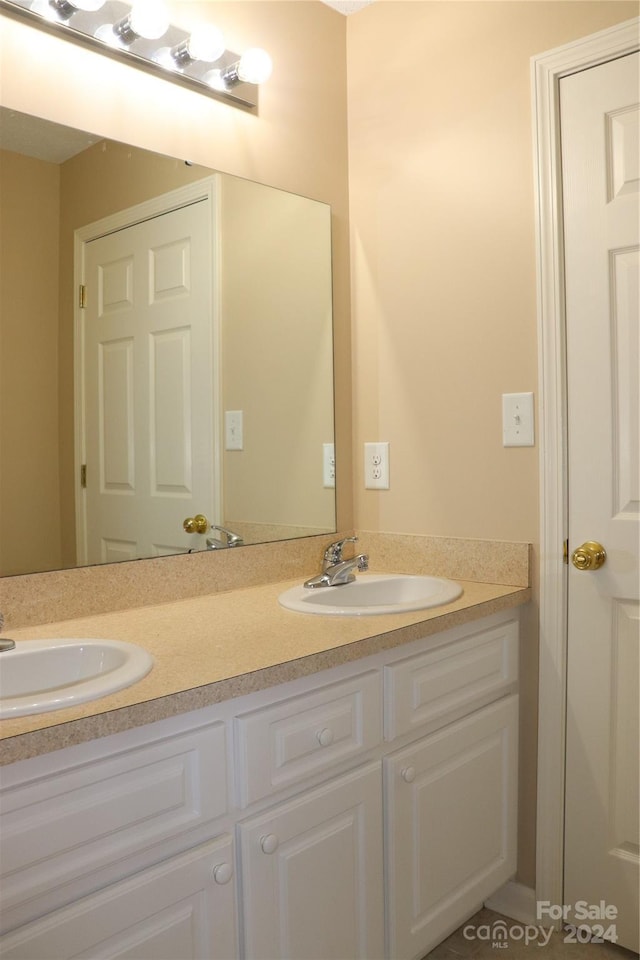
(358, 799)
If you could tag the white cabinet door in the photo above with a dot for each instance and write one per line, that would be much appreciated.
(183, 908)
(451, 825)
(312, 873)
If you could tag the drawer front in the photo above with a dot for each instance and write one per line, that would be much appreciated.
(448, 681)
(283, 743)
(62, 827)
(184, 907)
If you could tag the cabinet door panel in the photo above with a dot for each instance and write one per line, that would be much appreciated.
(312, 873)
(176, 909)
(451, 829)
(60, 828)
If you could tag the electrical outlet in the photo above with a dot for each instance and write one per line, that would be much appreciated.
(376, 466)
(328, 465)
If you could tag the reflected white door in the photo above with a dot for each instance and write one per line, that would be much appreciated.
(148, 386)
(600, 118)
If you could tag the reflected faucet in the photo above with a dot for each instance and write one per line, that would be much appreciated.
(335, 570)
(231, 539)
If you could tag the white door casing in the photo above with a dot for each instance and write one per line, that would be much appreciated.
(600, 123)
(147, 378)
(547, 70)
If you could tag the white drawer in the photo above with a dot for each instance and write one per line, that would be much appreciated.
(450, 680)
(283, 743)
(61, 827)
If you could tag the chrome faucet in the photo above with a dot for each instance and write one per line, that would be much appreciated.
(335, 570)
(231, 539)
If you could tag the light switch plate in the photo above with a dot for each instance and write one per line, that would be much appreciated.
(517, 420)
(233, 439)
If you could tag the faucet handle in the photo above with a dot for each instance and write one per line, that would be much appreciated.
(233, 539)
(333, 553)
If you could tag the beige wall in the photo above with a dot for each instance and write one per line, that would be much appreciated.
(29, 514)
(298, 142)
(443, 273)
(277, 355)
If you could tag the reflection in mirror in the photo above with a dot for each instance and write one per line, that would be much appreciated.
(197, 379)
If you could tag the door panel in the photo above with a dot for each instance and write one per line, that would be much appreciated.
(601, 181)
(149, 402)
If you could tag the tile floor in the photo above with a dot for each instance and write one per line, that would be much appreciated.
(477, 945)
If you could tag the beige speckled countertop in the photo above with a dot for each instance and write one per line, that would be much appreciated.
(212, 648)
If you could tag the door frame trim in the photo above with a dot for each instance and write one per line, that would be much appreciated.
(547, 69)
(206, 189)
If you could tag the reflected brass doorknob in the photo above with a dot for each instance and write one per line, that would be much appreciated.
(197, 524)
(590, 556)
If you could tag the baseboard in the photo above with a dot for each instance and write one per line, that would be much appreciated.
(516, 901)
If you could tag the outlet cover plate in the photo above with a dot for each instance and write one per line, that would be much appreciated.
(376, 466)
(328, 465)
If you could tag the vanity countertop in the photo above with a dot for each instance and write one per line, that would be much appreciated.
(213, 648)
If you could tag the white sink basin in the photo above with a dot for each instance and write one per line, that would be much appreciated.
(373, 594)
(42, 675)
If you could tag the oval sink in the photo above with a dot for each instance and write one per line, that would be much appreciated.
(373, 594)
(42, 675)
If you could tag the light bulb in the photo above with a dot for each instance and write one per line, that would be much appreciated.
(64, 9)
(255, 66)
(215, 80)
(206, 43)
(89, 5)
(45, 10)
(149, 19)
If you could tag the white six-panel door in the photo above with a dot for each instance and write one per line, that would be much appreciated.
(148, 386)
(600, 120)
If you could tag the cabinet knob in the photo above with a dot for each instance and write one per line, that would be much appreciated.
(408, 774)
(325, 737)
(269, 843)
(222, 873)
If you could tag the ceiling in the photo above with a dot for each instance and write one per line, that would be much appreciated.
(347, 6)
(40, 139)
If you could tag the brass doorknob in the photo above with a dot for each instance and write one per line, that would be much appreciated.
(197, 524)
(590, 556)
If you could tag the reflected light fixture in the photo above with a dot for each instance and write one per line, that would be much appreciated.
(140, 33)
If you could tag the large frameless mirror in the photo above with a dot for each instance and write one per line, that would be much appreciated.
(167, 354)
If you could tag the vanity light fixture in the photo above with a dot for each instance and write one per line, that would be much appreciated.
(140, 32)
